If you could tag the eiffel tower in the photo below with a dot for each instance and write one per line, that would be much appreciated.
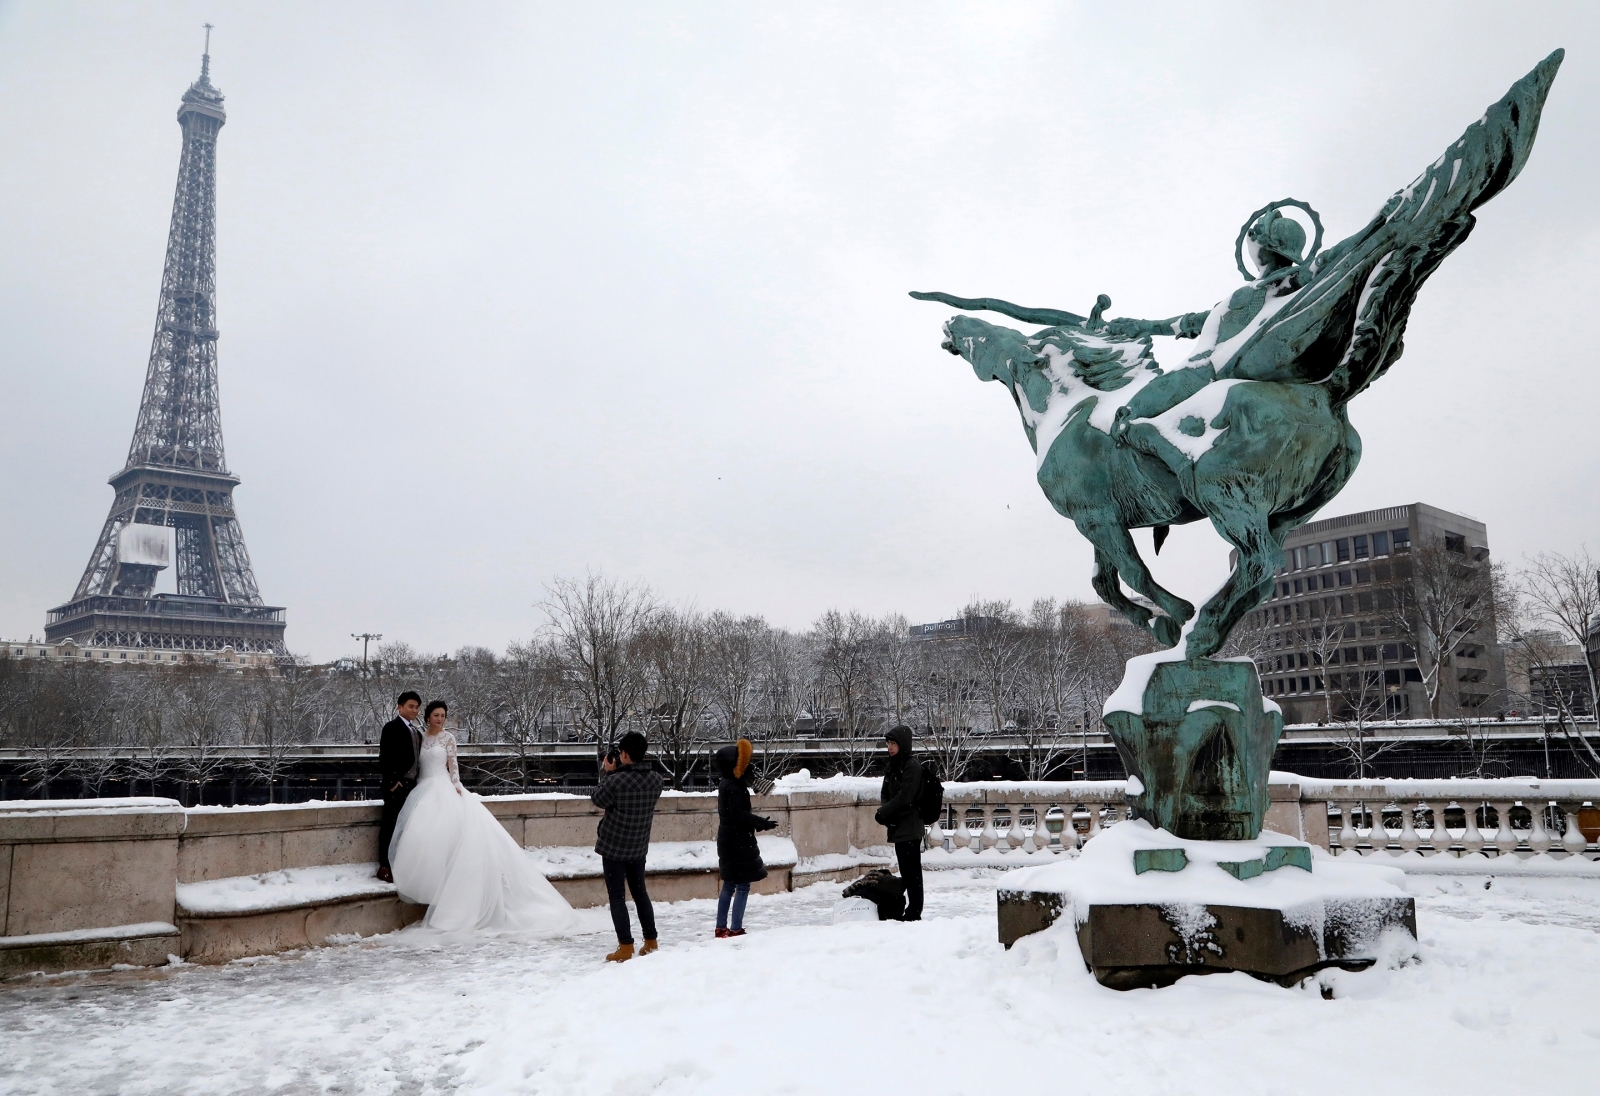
(175, 477)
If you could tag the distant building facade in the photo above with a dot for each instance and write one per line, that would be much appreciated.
(70, 650)
(1326, 644)
(960, 628)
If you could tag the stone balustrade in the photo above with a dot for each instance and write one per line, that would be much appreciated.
(1003, 816)
(88, 883)
(1545, 819)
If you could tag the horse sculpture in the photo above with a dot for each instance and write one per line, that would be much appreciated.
(1251, 431)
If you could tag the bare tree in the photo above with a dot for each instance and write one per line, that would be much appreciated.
(843, 684)
(593, 624)
(274, 711)
(782, 676)
(944, 703)
(1542, 654)
(898, 667)
(147, 727)
(671, 648)
(1361, 697)
(1437, 599)
(1051, 686)
(200, 709)
(997, 648)
(469, 686)
(1562, 593)
(527, 695)
(733, 658)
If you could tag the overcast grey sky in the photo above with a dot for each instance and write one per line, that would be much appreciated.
(508, 291)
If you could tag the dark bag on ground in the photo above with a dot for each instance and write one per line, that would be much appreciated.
(882, 888)
(930, 799)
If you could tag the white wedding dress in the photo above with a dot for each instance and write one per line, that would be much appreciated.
(449, 853)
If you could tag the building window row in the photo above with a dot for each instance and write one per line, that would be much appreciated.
(1345, 549)
(1381, 653)
(1332, 580)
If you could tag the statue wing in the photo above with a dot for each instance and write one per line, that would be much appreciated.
(1343, 326)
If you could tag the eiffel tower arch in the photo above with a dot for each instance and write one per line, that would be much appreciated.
(176, 476)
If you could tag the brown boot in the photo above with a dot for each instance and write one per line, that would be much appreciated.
(623, 953)
(649, 946)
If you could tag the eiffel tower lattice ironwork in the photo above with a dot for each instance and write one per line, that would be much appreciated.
(176, 477)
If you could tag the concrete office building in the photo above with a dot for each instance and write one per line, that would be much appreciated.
(1324, 643)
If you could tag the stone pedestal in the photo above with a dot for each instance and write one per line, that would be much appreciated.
(1147, 908)
(1133, 946)
(1199, 736)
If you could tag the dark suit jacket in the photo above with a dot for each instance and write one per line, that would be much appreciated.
(397, 753)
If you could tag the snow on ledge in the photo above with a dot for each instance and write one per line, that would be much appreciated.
(288, 889)
(89, 806)
(581, 861)
(1103, 874)
(80, 936)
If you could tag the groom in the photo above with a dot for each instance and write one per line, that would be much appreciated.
(397, 766)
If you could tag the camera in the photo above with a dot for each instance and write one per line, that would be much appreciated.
(613, 757)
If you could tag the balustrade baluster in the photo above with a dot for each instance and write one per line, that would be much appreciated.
(1348, 838)
(1409, 839)
(974, 838)
(1012, 837)
(1069, 828)
(1094, 821)
(1538, 837)
(1472, 839)
(1377, 836)
(1573, 840)
(1505, 838)
(1031, 844)
(989, 837)
(1439, 837)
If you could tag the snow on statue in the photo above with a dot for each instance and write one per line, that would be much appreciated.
(1252, 432)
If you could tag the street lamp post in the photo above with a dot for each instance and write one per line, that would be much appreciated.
(365, 638)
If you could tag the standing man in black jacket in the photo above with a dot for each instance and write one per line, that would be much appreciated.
(902, 782)
(398, 748)
(628, 793)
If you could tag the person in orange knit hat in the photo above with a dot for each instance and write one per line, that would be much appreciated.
(738, 855)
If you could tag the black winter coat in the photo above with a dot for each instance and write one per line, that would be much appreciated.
(738, 855)
(901, 785)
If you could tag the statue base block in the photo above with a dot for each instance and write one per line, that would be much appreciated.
(1268, 908)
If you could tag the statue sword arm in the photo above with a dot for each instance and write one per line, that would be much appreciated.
(1186, 326)
(1052, 317)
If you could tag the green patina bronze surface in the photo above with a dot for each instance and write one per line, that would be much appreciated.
(1251, 431)
(1202, 748)
(1276, 364)
(1159, 860)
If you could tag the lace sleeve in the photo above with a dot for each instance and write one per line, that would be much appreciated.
(450, 762)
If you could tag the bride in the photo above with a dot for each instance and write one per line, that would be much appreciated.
(451, 854)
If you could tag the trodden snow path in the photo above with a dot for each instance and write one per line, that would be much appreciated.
(1501, 999)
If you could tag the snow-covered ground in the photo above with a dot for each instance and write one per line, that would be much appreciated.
(1501, 1000)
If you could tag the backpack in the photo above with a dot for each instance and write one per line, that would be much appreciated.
(930, 799)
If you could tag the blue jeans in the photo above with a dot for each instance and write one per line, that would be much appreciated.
(737, 894)
(629, 873)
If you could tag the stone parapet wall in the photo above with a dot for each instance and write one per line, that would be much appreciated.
(220, 842)
(86, 864)
(78, 877)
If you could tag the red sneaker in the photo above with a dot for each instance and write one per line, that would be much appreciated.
(736, 932)
(722, 934)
